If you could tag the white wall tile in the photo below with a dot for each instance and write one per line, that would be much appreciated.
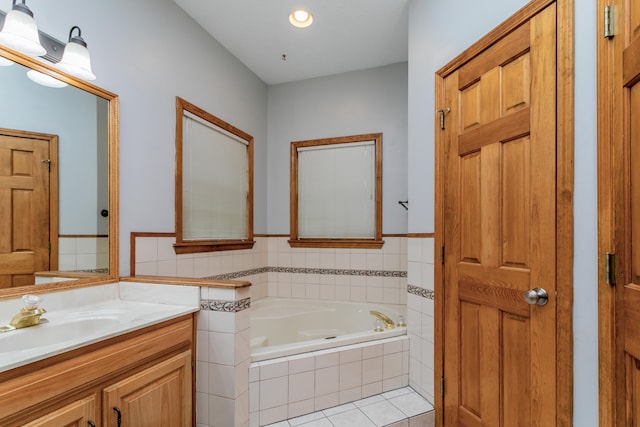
(371, 389)
(391, 365)
(301, 386)
(350, 375)
(302, 407)
(202, 377)
(165, 249)
(326, 401)
(372, 350)
(202, 346)
(273, 368)
(274, 392)
(301, 363)
(222, 381)
(272, 415)
(221, 348)
(351, 354)
(350, 395)
(167, 268)
(242, 346)
(327, 380)
(145, 268)
(372, 370)
(202, 408)
(221, 411)
(326, 358)
(254, 397)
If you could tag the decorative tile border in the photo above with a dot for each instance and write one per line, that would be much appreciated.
(225, 306)
(294, 270)
(421, 292)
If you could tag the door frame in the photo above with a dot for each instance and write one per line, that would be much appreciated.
(611, 223)
(564, 198)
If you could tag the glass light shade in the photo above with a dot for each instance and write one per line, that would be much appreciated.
(20, 33)
(45, 79)
(300, 18)
(4, 62)
(76, 61)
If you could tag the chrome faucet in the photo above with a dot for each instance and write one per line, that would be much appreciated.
(388, 323)
(29, 315)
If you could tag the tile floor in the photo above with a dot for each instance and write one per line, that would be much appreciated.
(398, 408)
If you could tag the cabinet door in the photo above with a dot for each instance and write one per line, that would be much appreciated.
(81, 413)
(159, 396)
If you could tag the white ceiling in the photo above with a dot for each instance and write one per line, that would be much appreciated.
(346, 35)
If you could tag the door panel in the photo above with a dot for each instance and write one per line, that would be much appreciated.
(25, 204)
(499, 202)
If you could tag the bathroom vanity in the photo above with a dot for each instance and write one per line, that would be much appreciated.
(116, 354)
(136, 379)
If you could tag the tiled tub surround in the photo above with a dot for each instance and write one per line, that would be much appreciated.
(295, 385)
(420, 316)
(276, 269)
(223, 357)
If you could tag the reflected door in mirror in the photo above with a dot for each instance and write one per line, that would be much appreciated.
(26, 201)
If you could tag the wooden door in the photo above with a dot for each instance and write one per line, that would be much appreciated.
(165, 387)
(498, 180)
(76, 414)
(28, 206)
(619, 215)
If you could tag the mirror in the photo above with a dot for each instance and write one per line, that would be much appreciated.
(58, 177)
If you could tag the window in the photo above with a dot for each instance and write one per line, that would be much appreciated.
(214, 183)
(336, 192)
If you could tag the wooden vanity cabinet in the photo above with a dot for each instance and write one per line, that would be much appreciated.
(153, 397)
(148, 375)
(77, 414)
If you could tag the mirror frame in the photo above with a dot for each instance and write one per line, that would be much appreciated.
(113, 138)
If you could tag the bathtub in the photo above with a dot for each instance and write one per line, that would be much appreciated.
(285, 326)
(310, 355)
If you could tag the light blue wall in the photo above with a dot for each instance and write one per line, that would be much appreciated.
(438, 31)
(148, 52)
(359, 102)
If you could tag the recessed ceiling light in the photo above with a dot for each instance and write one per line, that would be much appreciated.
(300, 18)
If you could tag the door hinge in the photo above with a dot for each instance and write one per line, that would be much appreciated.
(610, 268)
(442, 113)
(442, 254)
(47, 162)
(608, 22)
(441, 386)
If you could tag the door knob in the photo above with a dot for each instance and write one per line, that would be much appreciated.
(535, 296)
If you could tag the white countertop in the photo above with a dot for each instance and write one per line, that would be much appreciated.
(83, 316)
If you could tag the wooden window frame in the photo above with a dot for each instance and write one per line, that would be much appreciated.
(213, 245)
(297, 242)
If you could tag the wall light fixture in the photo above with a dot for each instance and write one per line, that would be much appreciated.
(76, 59)
(20, 31)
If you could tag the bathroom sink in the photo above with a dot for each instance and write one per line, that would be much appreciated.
(55, 332)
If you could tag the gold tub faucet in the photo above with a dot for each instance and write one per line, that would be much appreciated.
(29, 315)
(388, 323)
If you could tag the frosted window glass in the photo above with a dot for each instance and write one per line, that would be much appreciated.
(336, 191)
(214, 183)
